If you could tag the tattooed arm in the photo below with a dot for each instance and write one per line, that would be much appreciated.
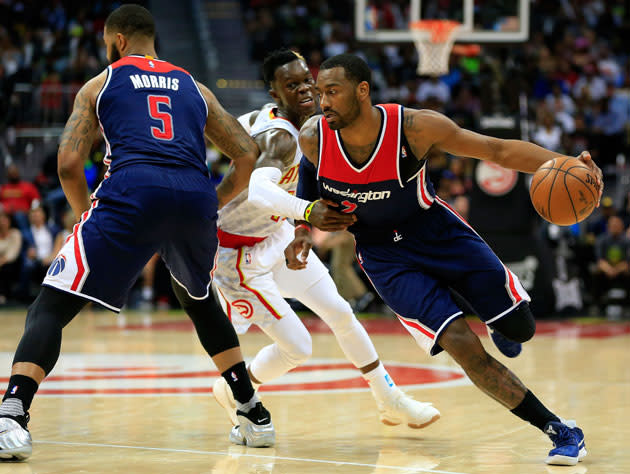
(232, 139)
(76, 143)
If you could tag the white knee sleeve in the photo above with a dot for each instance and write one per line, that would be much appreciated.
(324, 300)
(292, 346)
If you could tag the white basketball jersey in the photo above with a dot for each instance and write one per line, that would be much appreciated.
(240, 216)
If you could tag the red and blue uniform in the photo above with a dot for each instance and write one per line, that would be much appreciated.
(156, 195)
(412, 245)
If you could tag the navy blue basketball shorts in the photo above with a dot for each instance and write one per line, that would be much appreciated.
(138, 211)
(415, 271)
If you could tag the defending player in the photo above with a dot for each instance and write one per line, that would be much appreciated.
(370, 161)
(156, 197)
(251, 274)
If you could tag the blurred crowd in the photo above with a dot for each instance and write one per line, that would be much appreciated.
(574, 72)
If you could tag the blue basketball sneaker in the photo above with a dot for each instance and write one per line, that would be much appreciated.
(580, 437)
(568, 441)
(507, 347)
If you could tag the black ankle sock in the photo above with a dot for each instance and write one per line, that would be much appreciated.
(534, 412)
(23, 388)
(238, 380)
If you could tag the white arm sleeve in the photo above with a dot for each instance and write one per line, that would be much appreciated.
(264, 193)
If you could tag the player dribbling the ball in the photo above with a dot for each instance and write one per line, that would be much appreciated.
(370, 163)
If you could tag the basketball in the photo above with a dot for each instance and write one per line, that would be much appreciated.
(564, 191)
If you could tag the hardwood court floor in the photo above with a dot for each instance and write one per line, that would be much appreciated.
(131, 394)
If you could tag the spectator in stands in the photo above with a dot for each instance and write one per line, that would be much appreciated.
(591, 85)
(548, 134)
(612, 251)
(17, 196)
(67, 219)
(609, 127)
(599, 225)
(10, 246)
(562, 107)
(433, 88)
(39, 240)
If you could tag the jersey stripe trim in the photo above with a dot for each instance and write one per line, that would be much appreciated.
(83, 295)
(417, 326)
(198, 298)
(512, 286)
(202, 97)
(83, 268)
(320, 133)
(507, 311)
(142, 63)
(108, 149)
(398, 147)
(100, 93)
(372, 157)
(260, 297)
(424, 197)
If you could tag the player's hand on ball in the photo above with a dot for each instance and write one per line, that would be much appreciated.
(325, 218)
(296, 253)
(585, 157)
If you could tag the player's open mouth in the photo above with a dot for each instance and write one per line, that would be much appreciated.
(308, 101)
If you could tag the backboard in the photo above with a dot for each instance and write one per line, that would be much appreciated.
(483, 21)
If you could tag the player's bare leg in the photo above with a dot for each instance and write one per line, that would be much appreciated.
(500, 383)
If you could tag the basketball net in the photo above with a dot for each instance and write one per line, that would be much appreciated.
(434, 41)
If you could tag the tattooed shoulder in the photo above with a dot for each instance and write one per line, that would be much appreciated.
(80, 128)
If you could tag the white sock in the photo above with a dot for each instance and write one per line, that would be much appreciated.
(380, 382)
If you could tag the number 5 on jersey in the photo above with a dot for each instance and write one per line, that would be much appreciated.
(157, 106)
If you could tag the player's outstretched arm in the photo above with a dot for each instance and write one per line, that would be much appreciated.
(76, 144)
(232, 139)
(277, 151)
(426, 128)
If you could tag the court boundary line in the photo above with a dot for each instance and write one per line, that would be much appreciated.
(222, 453)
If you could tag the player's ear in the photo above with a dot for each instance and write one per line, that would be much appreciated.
(121, 43)
(274, 95)
(363, 90)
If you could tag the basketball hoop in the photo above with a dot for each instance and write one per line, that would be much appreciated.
(434, 40)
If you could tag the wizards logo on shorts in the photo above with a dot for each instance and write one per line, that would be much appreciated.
(57, 266)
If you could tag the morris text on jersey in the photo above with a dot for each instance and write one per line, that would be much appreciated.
(142, 81)
(361, 197)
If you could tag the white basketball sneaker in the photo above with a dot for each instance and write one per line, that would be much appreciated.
(401, 408)
(15, 441)
(224, 397)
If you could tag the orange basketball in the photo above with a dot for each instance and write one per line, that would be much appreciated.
(564, 191)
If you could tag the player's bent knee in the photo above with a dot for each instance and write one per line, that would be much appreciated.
(519, 325)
